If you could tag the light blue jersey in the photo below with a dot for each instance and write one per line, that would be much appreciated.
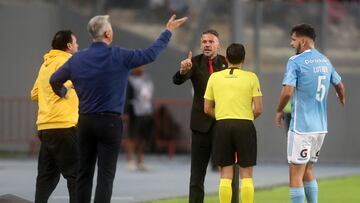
(310, 73)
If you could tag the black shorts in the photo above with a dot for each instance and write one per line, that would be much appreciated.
(141, 127)
(234, 136)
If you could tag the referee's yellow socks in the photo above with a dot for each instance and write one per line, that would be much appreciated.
(225, 190)
(247, 190)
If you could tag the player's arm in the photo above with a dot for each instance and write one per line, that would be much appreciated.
(285, 95)
(258, 106)
(340, 92)
(209, 107)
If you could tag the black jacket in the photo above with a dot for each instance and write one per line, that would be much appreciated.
(199, 75)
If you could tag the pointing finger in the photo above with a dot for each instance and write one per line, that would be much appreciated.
(190, 55)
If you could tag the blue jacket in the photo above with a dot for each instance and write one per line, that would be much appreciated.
(100, 74)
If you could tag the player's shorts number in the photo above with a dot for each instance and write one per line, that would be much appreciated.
(320, 92)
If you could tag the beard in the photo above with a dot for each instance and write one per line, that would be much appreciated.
(208, 53)
(297, 49)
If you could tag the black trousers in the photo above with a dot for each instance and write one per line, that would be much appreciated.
(201, 145)
(99, 140)
(58, 155)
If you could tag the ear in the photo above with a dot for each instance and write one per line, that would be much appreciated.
(107, 34)
(68, 45)
(303, 41)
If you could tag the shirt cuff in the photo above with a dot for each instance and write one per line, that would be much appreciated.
(63, 92)
(167, 33)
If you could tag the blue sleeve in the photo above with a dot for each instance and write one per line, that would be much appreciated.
(335, 77)
(58, 79)
(138, 57)
(290, 77)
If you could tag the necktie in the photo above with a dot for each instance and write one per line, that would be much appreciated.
(211, 69)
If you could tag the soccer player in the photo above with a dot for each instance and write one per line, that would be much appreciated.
(229, 97)
(307, 79)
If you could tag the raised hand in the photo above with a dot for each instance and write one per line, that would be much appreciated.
(186, 64)
(174, 23)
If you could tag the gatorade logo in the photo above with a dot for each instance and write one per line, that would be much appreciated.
(304, 153)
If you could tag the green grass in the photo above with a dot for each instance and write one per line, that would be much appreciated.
(345, 189)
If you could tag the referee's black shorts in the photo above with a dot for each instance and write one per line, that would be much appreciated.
(234, 135)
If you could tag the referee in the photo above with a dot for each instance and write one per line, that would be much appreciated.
(234, 98)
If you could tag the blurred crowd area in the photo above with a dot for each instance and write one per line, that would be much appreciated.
(168, 132)
(337, 23)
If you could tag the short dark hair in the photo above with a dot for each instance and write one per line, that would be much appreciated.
(304, 30)
(61, 38)
(211, 31)
(235, 53)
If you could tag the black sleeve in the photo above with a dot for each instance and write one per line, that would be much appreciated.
(179, 79)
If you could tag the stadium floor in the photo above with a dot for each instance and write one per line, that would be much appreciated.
(166, 178)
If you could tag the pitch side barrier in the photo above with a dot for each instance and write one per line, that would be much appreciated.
(18, 125)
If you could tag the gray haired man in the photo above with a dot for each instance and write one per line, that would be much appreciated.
(100, 75)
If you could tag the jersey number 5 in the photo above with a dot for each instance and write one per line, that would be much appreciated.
(320, 92)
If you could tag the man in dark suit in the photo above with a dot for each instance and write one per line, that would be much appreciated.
(198, 69)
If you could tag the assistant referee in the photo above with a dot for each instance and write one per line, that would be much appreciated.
(234, 98)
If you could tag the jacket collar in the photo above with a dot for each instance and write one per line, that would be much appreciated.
(98, 44)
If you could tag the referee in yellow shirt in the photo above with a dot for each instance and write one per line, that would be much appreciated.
(234, 98)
